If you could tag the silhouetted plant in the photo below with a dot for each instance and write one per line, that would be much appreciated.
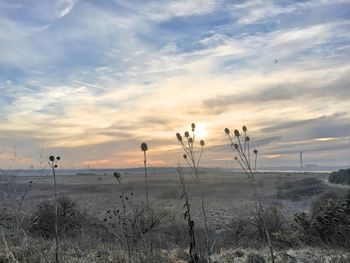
(134, 222)
(243, 158)
(188, 217)
(144, 149)
(188, 146)
(53, 164)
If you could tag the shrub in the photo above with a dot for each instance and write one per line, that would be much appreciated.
(236, 229)
(322, 200)
(329, 225)
(340, 177)
(134, 225)
(272, 218)
(70, 219)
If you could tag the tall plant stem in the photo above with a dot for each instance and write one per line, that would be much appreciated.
(146, 179)
(56, 214)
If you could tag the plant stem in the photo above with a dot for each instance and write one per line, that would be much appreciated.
(56, 214)
(146, 179)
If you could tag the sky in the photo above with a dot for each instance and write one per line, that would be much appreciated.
(91, 80)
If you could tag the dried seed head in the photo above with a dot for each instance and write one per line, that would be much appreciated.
(227, 131)
(244, 128)
(202, 143)
(235, 157)
(235, 145)
(179, 137)
(55, 166)
(193, 126)
(144, 147)
(236, 133)
(255, 151)
(185, 156)
(187, 134)
(58, 158)
(190, 140)
(52, 158)
(247, 139)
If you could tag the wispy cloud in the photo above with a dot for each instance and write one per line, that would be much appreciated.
(65, 7)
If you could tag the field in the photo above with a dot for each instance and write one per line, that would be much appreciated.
(229, 204)
(227, 194)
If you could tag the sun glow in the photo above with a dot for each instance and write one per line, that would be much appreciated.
(201, 131)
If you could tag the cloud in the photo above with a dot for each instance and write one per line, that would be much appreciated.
(179, 8)
(257, 11)
(92, 79)
(284, 92)
(66, 6)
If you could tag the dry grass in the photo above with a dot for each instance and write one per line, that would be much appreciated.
(228, 196)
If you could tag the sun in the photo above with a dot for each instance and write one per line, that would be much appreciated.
(201, 131)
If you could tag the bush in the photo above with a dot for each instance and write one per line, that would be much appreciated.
(273, 219)
(329, 225)
(322, 201)
(249, 231)
(340, 177)
(70, 219)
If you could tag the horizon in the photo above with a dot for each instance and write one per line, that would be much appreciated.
(90, 81)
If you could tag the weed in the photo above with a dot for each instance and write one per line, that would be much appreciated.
(188, 146)
(53, 164)
(144, 149)
(248, 165)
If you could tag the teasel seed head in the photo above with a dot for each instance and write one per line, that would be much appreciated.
(190, 140)
(247, 139)
(185, 156)
(187, 134)
(236, 146)
(193, 126)
(58, 158)
(255, 151)
(144, 147)
(52, 158)
(227, 131)
(236, 133)
(202, 143)
(179, 137)
(244, 128)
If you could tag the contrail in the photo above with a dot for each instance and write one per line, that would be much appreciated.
(88, 84)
